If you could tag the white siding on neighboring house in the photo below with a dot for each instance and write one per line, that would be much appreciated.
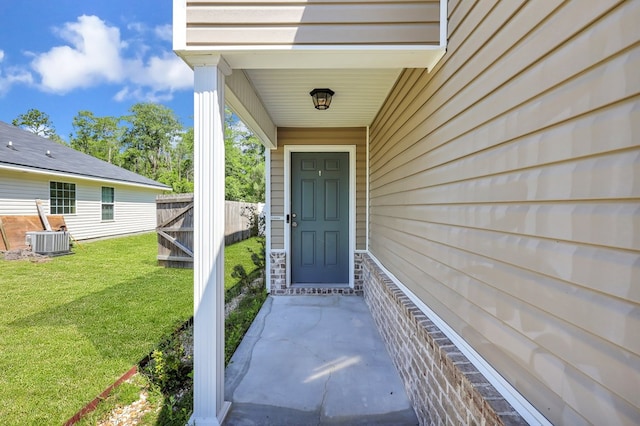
(18, 192)
(134, 209)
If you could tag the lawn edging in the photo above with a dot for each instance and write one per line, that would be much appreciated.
(235, 306)
(94, 403)
(91, 406)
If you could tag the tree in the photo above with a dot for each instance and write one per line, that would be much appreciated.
(152, 142)
(184, 155)
(39, 123)
(97, 136)
(180, 176)
(244, 162)
(147, 141)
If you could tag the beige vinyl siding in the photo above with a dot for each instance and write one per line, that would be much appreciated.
(277, 232)
(254, 23)
(134, 208)
(504, 193)
(277, 197)
(318, 136)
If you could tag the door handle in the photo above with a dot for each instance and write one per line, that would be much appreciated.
(294, 224)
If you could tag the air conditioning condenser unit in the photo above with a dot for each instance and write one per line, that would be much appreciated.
(48, 242)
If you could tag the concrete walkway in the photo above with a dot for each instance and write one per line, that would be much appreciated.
(314, 360)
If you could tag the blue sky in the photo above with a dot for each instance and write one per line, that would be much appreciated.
(64, 56)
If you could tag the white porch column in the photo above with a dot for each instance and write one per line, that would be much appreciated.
(209, 407)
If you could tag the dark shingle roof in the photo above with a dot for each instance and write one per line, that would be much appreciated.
(29, 150)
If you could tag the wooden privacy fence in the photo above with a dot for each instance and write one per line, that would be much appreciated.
(175, 227)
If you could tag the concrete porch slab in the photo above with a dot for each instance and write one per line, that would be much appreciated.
(314, 360)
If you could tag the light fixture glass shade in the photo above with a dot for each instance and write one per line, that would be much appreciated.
(322, 98)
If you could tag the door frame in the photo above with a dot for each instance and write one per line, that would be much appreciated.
(351, 149)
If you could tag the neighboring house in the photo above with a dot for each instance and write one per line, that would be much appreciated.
(97, 199)
(477, 177)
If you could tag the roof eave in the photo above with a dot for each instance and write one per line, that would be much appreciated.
(26, 169)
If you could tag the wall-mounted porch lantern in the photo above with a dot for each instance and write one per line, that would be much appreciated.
(322, 98)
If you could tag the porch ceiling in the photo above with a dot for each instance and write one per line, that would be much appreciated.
(359, 93)
(279, 81)
(270, 88)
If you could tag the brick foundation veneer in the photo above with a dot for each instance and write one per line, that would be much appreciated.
(278, 270)
(279, 279)
(443, 386)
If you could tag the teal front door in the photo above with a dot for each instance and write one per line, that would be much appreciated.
(319, 218)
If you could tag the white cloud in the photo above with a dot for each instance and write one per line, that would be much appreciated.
(164, 32)
(165, 72)
(11, 76)
(139, 94)
(92, 58)
(96, 54)
(239, 126)
(14, 76)
(137, 27)
(156, 79)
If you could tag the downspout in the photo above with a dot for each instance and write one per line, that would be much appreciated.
(267, 219)
(367, 198)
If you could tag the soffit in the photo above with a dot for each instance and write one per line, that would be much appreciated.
(359, 94)
(282, 78)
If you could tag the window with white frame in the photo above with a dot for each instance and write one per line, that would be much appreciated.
(62, 198)
(108, 200)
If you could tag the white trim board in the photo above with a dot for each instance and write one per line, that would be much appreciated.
(80, 177)
(351, 149)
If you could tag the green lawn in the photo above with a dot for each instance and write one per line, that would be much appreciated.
(71, 326)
